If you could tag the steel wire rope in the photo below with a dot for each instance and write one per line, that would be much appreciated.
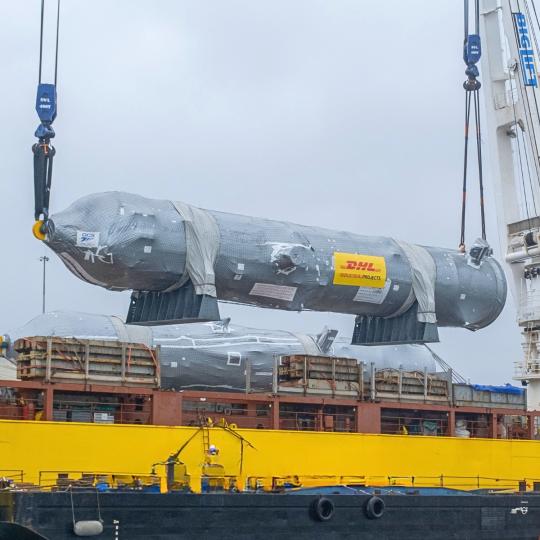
(529, 127)
(41, 32)
(519, 90)
(529, 173)
(476, 97)
(57, 37)
(479, 133)
(41, 40)
(535, 14)
(526, 135)
(528, 114)
(43, 150)
(472, 86)
(522, 90)
(465, 159)
(529, 124)
(535, 39)
(476, 17)
(520, 161)
(534, 88)
(466, 131)
(525, 96)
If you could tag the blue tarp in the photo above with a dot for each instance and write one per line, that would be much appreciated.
(506, 389)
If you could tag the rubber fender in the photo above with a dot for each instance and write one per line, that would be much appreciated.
(375, 508)
(88, 528)
(322, 509)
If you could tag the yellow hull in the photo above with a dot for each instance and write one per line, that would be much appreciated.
(315, 457)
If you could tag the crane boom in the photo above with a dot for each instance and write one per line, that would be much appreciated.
(513, 127)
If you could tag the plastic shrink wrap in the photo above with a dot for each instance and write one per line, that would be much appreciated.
(179, 259)
(213, 355)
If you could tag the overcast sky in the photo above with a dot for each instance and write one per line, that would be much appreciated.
(341, 113)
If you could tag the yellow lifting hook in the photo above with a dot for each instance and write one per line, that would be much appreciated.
(38, 229)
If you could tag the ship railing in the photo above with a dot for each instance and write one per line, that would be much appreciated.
(478, 425)
(466, 483)
(103, 411)
(15, 407)
(254, 415)
(473, 425)
(405, 422)
(513, 426)
(524, 369)
(304, 417)
(11, 475)
(529, 307)
(154, 482)
(468, 425)
(317, 421)
(271, 483)
(63, 480)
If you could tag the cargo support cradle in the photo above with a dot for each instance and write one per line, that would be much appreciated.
(180, 305)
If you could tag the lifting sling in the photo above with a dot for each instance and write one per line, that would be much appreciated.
(471, 55)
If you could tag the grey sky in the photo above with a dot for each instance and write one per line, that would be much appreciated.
(342, 113)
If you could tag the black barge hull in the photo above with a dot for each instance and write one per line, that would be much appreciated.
(248, 516)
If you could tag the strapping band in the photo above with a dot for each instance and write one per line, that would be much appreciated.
(424, 273)
(202, 246)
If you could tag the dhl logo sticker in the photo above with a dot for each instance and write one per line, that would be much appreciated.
(361, 265)
(359, 270)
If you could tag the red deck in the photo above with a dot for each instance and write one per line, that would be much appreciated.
(79, 402)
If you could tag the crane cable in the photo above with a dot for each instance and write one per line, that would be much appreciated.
(43, 150)
(471, 56)
(41, 41)
(529, 127)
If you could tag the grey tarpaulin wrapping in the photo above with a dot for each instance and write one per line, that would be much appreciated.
(123, 241)
(309, 344)
(8, 371)
(202, 247)
(424, 273)
(215, 355)
(131, 333)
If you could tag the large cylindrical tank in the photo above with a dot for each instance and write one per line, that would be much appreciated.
(214, 355)
(123, 241)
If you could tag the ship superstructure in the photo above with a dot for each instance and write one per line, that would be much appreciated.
(510, 75)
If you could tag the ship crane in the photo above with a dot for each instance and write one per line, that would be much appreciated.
(509, 72)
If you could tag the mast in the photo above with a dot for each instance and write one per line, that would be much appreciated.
(510, 82)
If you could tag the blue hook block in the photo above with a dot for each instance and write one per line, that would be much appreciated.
(472, 49)
(46, 103)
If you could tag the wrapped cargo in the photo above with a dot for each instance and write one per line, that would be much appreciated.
(179, 259)
(214, 355)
